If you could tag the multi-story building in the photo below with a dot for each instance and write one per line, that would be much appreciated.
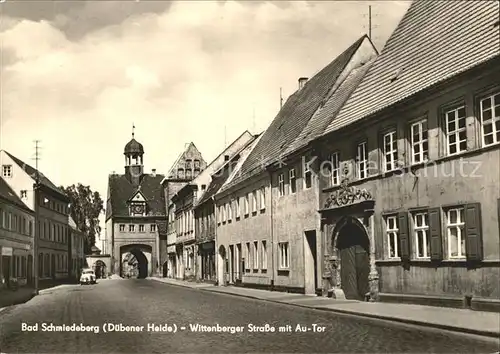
(53, 212)
(205, 216)
(232, 211)
(185, 200)
(16, 238)
(77, 255)
(277, 188)
(411, 210)
(188, 165)
(135, 206)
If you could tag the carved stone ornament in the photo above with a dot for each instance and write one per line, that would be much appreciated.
(346, 195)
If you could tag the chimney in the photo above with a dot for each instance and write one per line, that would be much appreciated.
(302, 82)
(226, 157)
(153, 172)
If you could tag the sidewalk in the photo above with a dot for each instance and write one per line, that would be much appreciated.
(184, 283)
(9, 297)
(458, 320)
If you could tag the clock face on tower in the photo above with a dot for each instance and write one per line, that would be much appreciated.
(138, 209)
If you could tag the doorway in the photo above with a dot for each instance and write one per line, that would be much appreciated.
(354, 247)
(310, 262)
(221, 260)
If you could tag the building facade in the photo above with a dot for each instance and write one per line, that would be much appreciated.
(411, 210)
(188, 165)
(186, 199)
(52, 206)
(135, 206)
(16, 238)
(77, 254)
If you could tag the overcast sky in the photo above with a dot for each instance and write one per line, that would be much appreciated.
(77, 74)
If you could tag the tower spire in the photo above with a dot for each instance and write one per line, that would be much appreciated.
(133, 130)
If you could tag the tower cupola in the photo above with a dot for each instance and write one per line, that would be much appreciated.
(134, 163)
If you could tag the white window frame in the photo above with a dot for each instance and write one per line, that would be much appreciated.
(131, 228)
(249, 256)
(262, 198)
(292, 186)
(335, 172)
(391, 155)
(142, 228)
(238, 211)
(246, 206)
(284, 255)
(494, 121)
(459, 226)
(255, 258)
(7, 171)
(263, 250)
(224, 211)
(307, 176)
(362, 160)
(254, 201)
(452, 115)
(152, 228)
(423, 154)
(424, 228)
(392, 232)
(230, 211)
(281, 184)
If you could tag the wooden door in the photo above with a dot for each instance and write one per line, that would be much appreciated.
(362, 271)
(348, 273)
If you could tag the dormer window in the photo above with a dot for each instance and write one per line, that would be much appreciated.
(7, 171)
(24, 194)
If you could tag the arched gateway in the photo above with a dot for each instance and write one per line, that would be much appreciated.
(353, 251)
(136, 261)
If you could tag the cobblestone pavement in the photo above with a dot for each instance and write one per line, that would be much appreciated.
(139, 302)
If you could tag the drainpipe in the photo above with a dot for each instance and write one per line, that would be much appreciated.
(272, 228)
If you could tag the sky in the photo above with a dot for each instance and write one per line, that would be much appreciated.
(77, 75)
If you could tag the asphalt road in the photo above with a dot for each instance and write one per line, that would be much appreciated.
(143, 302)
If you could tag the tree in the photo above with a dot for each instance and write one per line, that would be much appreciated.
(86, 207)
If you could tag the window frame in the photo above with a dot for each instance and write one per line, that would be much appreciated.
(426, 233)
(419, 122)
(393, 152)
(281, 184)
(292, 181)
(392, 234)
(284, 255)
(307, 176)
(5, 168)
(335, 173)
(255, 258)
(494, 119)
(445, 129)
(461, 234)
(263, 250)
(262, 198)
(358, 161)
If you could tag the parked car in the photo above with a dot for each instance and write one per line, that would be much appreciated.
(87, 277)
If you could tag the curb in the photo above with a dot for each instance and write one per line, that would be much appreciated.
(483, 333)
(179, 285)
(359, 314)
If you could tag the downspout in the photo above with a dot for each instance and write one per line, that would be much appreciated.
(272, 228)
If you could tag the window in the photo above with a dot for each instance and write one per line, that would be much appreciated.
(263, 257)
(141, 228)
(307, 175)
(203, 187)
(254, 201)
(131, 228)
(188, 164)
(122, 227)
(224, 209)
(284, 255)
(237, 200)
(229, 211)
(188, 174)
(262, 198)
(197, 164)
(281, 184)
(390, 149)
(362, 161)
(419, 143)
(256, 255)
(248, 257)
(246, 204)
(490, 119)
(422, 241)
(7, 171)
(392, 237)
(335, 172)
(153, 228)
(24, 194)
(293, 181)
(456, 135)
(455, 226)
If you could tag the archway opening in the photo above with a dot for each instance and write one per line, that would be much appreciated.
(100, 269)
(353, 248)
(135, 265)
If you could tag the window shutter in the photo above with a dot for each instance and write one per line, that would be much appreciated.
(473, 236)
(435, 234)
(404, 236)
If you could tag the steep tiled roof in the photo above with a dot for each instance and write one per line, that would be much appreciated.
(212, 189)
(10, 196)
(434, 41)
(32, 172)
(295, 114)
(120, 190)
(235, 175)
(327, 113)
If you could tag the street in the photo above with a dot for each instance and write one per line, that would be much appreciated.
(138, 303)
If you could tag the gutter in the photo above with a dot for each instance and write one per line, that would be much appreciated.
(272, 229)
